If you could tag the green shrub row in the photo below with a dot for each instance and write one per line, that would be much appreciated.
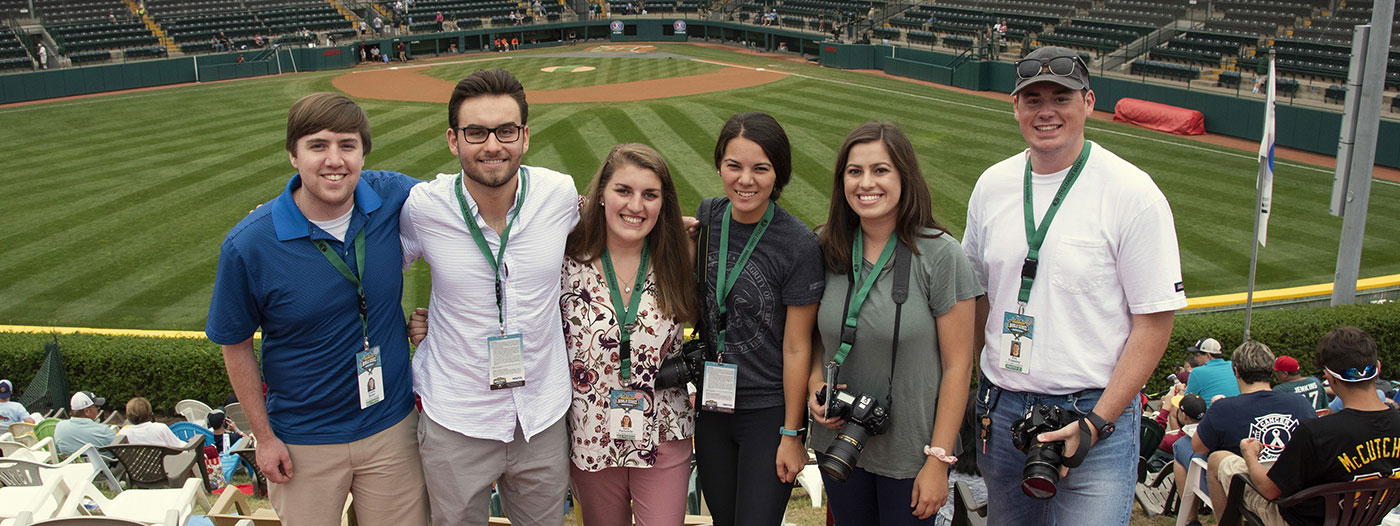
(167, 370)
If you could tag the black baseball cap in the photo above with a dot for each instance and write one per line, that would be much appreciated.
(1062, 66)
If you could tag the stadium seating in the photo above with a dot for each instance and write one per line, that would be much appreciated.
(1165, 70)
(12, 52)
(1228, 79)
(921, 37)
(101, 35)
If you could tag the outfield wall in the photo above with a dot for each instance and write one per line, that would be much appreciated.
(1308, 129)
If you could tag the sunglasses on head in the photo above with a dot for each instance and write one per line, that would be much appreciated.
(1355, 374)
(1058, 66)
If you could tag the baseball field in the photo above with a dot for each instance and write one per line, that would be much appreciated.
(115, 205)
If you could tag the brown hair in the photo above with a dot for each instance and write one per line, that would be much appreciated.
(670, 251)
(764, 130)
(138, 411)
(326, 111)
(1346, 347)
(485, 82)
(914, 210)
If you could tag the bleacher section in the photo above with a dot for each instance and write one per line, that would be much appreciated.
(101, 35)
(12, 52)
(60, 12)
(83, 28)
(1095, 34)
(1316, 61)
(464, 10)
(197, 25)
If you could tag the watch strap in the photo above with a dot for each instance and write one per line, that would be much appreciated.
(1103, 427)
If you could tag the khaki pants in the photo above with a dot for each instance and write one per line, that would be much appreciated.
(1253, 501)
(533, 477)
(383, 472)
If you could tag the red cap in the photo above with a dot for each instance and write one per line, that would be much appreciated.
(1286, 364)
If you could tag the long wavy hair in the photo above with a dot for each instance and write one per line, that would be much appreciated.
(914, 210)
(670, 251)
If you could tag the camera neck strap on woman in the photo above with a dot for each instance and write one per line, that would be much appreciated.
(626, 317)
(854, 299)
(723, 284)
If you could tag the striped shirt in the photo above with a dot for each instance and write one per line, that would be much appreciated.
(450, 369)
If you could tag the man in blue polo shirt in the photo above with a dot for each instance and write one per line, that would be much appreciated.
(1212, 375)
(318, 269)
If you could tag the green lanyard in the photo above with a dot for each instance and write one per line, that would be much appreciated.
(344, 269)
(1036, 236)
(722, 285)
(863, 290)
(494, 259)
(626, 317)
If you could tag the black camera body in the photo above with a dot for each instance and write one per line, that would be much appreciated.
(864, 416)
(689, 367)
(1043, 459)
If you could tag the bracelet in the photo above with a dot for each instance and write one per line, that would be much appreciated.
(940, 454)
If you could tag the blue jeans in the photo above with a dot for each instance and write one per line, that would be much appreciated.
(1182, 452)
(1098, 492)
(867, 498)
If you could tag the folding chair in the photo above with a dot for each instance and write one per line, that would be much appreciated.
(1357, 503)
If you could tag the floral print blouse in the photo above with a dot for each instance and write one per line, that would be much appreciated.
(591, 335)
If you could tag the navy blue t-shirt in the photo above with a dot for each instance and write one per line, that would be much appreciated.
(272, 276)
(1267, 416)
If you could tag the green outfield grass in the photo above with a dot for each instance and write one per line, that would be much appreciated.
(115, 206)
(608, 70)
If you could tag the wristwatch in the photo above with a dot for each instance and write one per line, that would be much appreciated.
(1103, 427)
(782, 430)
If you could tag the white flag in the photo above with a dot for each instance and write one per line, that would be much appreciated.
(1266, 160)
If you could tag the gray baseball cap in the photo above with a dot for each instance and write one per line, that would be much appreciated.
(1062, 66)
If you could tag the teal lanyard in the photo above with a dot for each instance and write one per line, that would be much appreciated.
(724, 286)
(1035, 237)
(344, 269)
(494, 259)
(626, 317)
(862, 288)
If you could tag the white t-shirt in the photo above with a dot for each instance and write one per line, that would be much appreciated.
(450, 369)
(1111, 252)
(338, 226)
(151, 434)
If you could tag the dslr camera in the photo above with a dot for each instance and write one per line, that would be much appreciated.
(1043, 459)
(686, 368)
(864, 418)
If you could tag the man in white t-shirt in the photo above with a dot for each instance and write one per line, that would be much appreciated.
(1083, 291)
(10, 411)
(492, 371)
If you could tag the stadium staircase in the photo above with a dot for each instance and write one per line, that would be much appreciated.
(382, 11)
(171, 48)
(346, 12)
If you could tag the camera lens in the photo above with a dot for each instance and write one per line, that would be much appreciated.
(1042, 471)
(672, 373)
(841, 455)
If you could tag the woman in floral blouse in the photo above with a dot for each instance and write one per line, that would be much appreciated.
(628, 265)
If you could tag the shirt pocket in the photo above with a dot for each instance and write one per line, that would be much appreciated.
(1082, 265)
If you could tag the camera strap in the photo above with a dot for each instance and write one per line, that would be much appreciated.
(702, 276)
(1086, 439)
(899, 292)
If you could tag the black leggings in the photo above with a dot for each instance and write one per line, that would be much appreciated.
(736, 455)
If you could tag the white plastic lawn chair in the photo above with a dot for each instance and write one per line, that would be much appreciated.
(20, 508)
(193, 410)
(170, 507)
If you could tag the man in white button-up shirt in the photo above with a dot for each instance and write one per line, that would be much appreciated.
(492, 371)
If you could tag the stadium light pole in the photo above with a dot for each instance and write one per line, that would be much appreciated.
(1363, 153)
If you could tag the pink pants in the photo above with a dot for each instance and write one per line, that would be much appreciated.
(655, 495)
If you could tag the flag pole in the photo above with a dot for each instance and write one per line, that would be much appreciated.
(1264, 185)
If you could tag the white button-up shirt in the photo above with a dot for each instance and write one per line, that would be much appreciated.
(450, 369)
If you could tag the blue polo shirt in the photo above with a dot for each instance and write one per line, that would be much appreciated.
(272, 276)
(1216, 377)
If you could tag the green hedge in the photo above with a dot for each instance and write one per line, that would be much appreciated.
(167, 370)
(1294, 332)
(119, 368)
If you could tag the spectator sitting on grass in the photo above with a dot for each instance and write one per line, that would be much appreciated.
(226, 439)
(143, 429)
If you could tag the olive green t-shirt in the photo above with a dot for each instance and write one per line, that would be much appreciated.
(939, 276)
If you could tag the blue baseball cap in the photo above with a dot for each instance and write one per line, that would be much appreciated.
(6, 389)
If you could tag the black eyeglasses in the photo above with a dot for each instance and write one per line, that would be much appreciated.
(508, 132)
(1058, 66)
(1355, 374)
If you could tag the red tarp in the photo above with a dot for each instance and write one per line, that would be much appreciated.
(1161, 117)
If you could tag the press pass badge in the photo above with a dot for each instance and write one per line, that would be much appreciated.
(507, 363)
(1017, 332)
(626, 414)
(721, 387)
(370, 371)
